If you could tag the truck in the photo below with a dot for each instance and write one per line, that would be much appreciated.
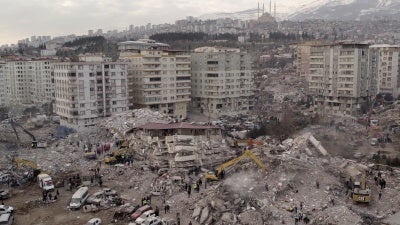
(45, 182)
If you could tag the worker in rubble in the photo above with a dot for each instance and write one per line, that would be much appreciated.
(189, 190)
(195, 186)
(157, 211)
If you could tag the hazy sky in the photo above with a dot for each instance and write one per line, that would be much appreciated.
(24, 18)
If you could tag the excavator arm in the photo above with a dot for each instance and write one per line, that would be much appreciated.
(256, 160)
(232, 162)
(13, 124)
(24, 162)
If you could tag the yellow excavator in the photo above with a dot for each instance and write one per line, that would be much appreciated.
(361, 194)
(23, 162)
(219, 173)
(119, 154)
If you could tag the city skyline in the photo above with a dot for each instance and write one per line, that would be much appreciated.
(63, 17)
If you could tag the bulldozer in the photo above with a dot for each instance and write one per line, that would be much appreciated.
(117, 155)
(361, 194)
(220, 171)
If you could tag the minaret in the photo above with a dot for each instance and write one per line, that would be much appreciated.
(274, 9)
(258, 11)
(270, 7)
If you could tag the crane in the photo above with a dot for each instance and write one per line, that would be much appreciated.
(219, 173)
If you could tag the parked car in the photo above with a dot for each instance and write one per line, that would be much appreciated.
(94, 221)
(153, 221)
(374, 141)
(144, 217)
(6, 209)
(109, 192)
(4, 178)
(4, 194)
(6, 219)
(140, 211)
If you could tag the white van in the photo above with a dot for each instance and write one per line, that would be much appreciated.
(6, 219)
(79, 198)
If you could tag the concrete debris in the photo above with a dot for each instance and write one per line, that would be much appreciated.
(337, 215)
(164, 163)
(205, 213)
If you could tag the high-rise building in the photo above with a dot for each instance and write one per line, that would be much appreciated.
(29, 81)
(303, 58)
(388, 69)
(222, 81)
(87, 91)
(342, 77)
(158, 78)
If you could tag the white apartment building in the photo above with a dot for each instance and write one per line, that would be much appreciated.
(88, 91)
(388, 69)
(222, 81)
(3, 99)
(342, 77)
(158, 78)
(28, 81)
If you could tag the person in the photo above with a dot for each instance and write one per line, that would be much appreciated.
(50, 196)
(188, 191)
(157, 211)
(165, 209)
(380, 194)
(190, 222)
(301, 205)
(101, 182)
(57, 193)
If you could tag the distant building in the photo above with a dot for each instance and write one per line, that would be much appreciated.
(3, 99)
(28, 81)
(222, 81)
(158, 78)
(388, 69)
(342, 77)
(89, 90)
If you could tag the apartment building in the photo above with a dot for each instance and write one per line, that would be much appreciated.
(388, 69)
(158, 78)
(303, 58)
(89, 90)
(222, 81)
(28, 81)
(342, 77)
(3, 99)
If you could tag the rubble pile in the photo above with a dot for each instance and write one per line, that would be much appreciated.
(337, 215)
(131, 119)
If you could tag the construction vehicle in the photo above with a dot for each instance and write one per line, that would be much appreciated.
(89, 154)
(220, 171)
(21, 163)
(117, 156)
(361, 194)
(45, 182)
(34, 143)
